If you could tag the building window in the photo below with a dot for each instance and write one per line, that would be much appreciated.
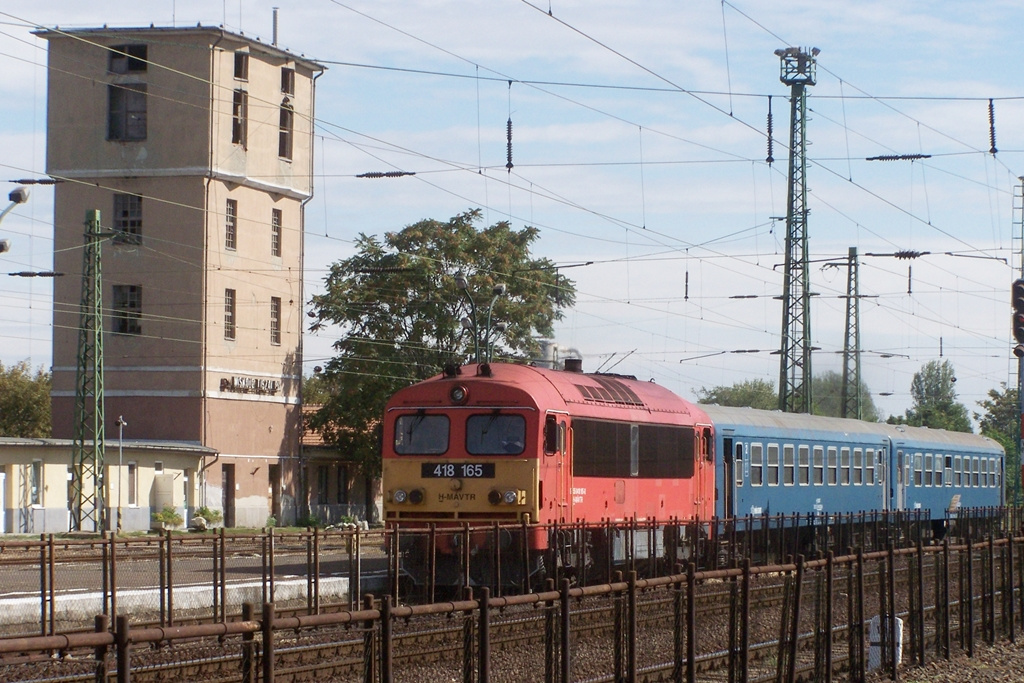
(127, 309)
(287, 80)
(35, 483)
(158, 467)
(275, 320)
(126, 119)
(287, 128)
(127, 59)
(342, 485)
(321, 485)
(231, 225)
(240, 117)
(133, 484)
(275, 233)
(242, 66)
(128, 218)
(229, 314)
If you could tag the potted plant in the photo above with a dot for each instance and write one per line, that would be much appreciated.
(168, 518)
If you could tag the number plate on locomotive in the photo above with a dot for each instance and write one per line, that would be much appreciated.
(457, 470)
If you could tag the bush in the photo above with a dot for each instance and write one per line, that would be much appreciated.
(309, 521)
(168, 517)
(211, 516)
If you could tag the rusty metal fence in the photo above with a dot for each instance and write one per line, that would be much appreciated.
(835, 618)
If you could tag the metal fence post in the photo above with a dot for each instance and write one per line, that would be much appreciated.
(631, 629)
(248, 645)
(484, 635)
(121, 640)
(564, 640)
(170, 580)
(691, 623)
(549, 633)
(100, 653)
(267, 628)
(386, 671)
(369, 653)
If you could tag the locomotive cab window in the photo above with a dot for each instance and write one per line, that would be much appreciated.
(421, 434)
(551, 434)
(495, 434)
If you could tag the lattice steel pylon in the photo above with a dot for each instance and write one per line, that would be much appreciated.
(798, 71)
(88, 511)
(850, 398)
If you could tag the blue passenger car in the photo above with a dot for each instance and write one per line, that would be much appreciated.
(769, 462)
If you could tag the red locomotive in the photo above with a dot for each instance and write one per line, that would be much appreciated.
(542, 448)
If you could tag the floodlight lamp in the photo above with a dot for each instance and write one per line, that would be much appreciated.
(499, 289)
(460, 280)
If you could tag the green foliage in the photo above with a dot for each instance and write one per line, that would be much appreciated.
(761, 394)
(827, 390)
(271, 522)
(309, 522)
(211, 516)
(935, 403)
(168, 517)
(316, 390)
(753, 393)
(1001, 422)
(398, 309)
(24, 401)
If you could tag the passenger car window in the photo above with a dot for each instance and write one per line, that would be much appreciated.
(421, 434)
(495, 434)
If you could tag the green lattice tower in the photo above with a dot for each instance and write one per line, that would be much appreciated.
(88, 511)
(850, 398)
(798, 71)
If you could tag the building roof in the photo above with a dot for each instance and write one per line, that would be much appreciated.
(310, 438)
(155, 445)
(105, 31)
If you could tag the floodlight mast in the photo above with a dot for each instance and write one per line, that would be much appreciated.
(798, 72)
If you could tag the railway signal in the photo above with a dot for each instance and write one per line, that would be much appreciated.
(1017, 295)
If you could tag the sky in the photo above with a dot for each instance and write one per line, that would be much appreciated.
(639, 146)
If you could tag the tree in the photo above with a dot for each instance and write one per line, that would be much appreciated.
(24, 401)
(934, 396)
(753, 393)
(828, 397)
(399, 311)
(1001, 422)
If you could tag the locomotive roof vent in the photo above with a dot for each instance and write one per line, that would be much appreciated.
(574, 365)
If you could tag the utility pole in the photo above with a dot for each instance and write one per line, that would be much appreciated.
(1018, 350)
(850, 394)
(798, 71)
(88, 508)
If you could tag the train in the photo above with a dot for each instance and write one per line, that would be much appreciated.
(551, 452)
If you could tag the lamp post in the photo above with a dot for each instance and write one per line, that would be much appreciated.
(121, 424)
(471, 323)
(18, 195)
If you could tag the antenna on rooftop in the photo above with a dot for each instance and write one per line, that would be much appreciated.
(274, 42)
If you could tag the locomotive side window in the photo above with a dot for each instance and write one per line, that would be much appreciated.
(756, 463)
(738, 465)
(421, 434)
(833, 466)
(858, 467)
(788, 465)
(621, 450)
(495, 434)
(819, 465)
(773, 464)
(550, 434)
(805, 465)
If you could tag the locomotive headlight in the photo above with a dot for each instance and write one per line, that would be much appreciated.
(511, 497)
(458, 394)
(416, 496)
(400, 496)
(494, 497)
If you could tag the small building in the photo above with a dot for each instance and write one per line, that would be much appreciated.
(335, 487)
(142, 477)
